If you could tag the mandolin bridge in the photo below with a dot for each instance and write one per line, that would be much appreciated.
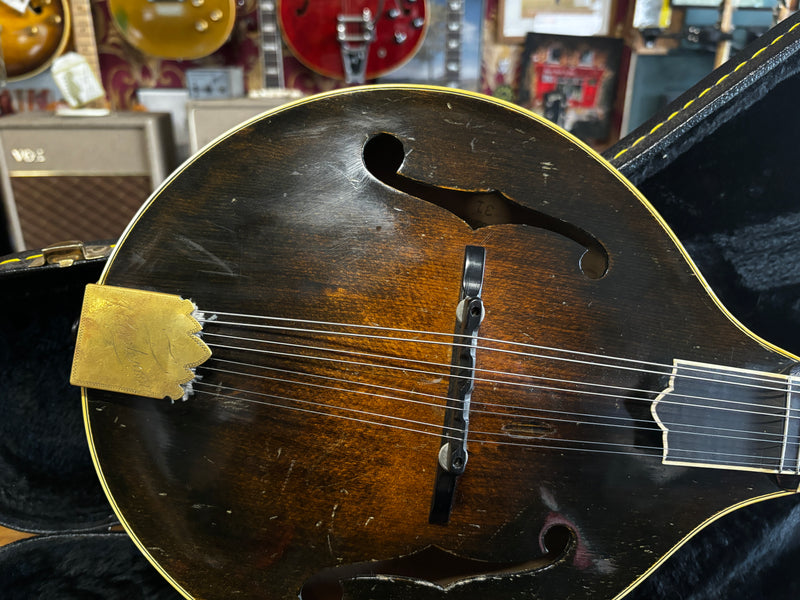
(453, 450)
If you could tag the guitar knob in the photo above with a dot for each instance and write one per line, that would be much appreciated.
(393, 13)
(418, 22)
(201, 25)
(216, 15)
(33, 30)
(400, 37)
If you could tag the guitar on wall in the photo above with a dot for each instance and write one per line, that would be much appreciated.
(353, 40)
(174, 29)
(270, 47)
(32, 34)
(453, 36)
(429, 346)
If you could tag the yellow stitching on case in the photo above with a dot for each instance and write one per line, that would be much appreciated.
(10, 260)
(705, 91)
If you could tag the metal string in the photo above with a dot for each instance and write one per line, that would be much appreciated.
(527, 384)
(527, 409)
(449, 342)
(719, 378)
(311, 407)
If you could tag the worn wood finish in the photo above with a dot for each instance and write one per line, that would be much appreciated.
(232, 498)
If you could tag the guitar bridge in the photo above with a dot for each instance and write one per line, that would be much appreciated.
(355, 33)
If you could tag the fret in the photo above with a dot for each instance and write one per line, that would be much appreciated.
(271, 46)
(790, 455)
(84, 36)
(452, 59)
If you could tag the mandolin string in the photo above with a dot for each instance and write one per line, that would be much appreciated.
(716, 434)
(625, 425)
(780, 414)
(439, 427)
(333, 350)
(762, 462)
(668, 367)
(782, 411)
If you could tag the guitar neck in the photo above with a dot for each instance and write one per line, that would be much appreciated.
(270, 45)
(452, 57)
(83, 34)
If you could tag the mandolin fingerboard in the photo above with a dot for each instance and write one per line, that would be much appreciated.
(723, 417)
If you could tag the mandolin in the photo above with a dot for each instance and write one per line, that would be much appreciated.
(174, 29)
(353, 40)
(31, 38)
(454, 354)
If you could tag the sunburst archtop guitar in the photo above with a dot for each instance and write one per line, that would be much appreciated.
(32, 37)
(454, 354)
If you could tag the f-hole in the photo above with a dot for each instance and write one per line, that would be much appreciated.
(383, 156)
(433, 566)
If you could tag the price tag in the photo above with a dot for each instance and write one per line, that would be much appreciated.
(76, 80)
(18, 5)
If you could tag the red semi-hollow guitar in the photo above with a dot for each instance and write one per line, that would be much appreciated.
(353, 40)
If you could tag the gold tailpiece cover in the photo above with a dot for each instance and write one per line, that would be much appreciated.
(137, 342)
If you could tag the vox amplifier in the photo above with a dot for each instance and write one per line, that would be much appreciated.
(207, 119)
(79, 178)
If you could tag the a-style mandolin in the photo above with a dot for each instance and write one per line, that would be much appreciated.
(32, 37)
(454, 354)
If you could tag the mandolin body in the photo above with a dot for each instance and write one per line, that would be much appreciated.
(316, 478)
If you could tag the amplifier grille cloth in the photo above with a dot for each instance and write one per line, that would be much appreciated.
(92, 207)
